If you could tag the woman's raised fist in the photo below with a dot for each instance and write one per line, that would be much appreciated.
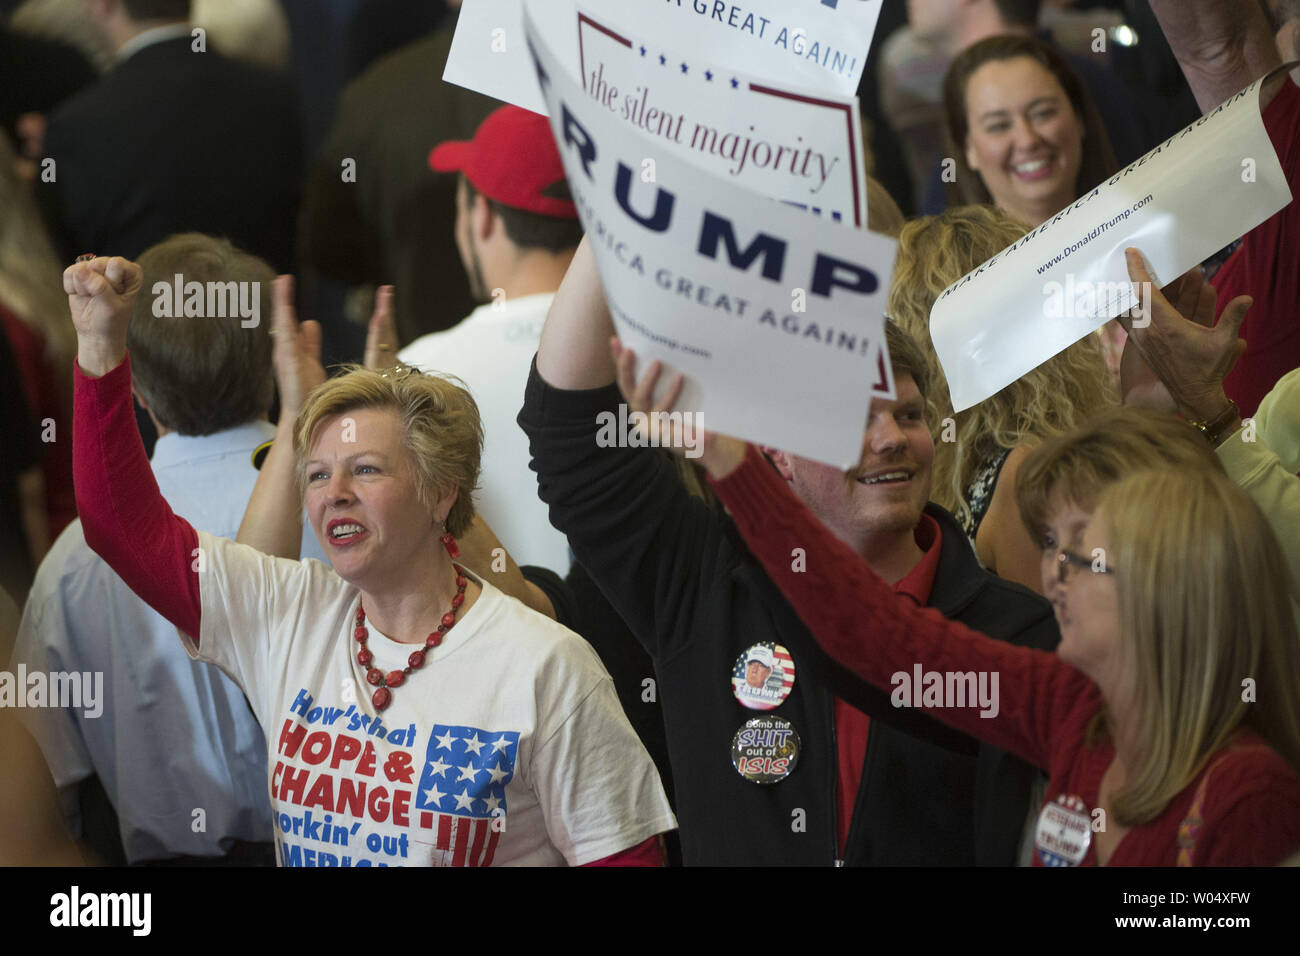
(101, 294)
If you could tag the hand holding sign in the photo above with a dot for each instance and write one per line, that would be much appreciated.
(1183, 201)
(1182, 345)
(722, 288)
(720, 454)
(1139, 384)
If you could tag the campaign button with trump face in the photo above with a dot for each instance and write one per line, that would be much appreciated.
(763, 676)
(765, 749)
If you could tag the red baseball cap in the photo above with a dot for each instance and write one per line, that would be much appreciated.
(511, 159)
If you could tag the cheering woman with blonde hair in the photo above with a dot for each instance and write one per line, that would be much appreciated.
(422, 715)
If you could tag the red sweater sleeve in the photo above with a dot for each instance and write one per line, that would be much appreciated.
(860, 622)
(1266, 268)
(126, 520)
(648, 853)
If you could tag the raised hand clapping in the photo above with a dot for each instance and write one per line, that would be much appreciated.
(296, 355)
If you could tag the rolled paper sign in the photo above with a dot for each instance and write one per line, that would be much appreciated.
(1195, 193)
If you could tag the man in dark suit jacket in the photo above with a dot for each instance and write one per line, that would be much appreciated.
(175, 138)
(393, 224)
(36, 75)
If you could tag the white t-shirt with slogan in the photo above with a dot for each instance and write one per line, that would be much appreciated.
(507, 747)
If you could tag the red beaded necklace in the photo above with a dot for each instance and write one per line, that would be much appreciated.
(383, 696)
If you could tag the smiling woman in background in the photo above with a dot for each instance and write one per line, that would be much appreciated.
(1025, 136)
(1022, 129)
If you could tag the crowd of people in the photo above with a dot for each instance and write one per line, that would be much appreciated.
(498, 640)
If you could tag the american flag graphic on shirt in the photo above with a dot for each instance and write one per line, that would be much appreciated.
(462, 792)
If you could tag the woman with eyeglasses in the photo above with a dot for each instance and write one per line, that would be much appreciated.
(1061, 480)
(414, 715)
(1168, 720)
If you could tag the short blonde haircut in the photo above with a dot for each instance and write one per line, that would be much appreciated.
(1056, 397)
(1080, 465)
(1203, 605)
(440, 422)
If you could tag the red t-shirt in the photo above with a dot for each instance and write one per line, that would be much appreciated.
(1243, 809)
(851, 724)
(1266, 266)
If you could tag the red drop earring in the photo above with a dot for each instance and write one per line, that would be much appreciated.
(449, 542)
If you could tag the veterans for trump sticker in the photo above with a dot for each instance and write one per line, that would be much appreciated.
(763, 676)
(1064, 832)
(765, 749)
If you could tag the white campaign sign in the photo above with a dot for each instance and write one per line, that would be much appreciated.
(774, 316)
(797, 146)
(1179, 204)
(819, 44)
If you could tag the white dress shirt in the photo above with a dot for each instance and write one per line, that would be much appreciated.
(176, 747)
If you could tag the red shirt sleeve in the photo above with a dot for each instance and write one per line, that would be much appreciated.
(884, 638)
(1267, 267)
(126, 520)
(648, 853)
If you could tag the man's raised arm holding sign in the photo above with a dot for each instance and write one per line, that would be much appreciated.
(1223, 46)
(752, 753)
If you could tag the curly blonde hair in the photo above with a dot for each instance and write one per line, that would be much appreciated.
(440, 422)
(1056, 397)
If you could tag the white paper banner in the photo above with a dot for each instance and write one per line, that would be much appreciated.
(797, 146)
(774, 316)
(1179, 204)
(820, 44)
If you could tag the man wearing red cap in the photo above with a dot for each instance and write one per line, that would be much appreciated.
(516, 229)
